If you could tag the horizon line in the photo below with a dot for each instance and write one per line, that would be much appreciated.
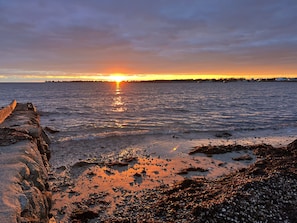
(229, 79)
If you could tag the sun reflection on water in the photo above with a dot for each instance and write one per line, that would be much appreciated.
(117, 104)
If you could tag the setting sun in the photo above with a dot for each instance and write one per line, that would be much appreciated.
(117, 78)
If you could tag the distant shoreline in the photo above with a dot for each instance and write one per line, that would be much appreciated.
(198, 80)
(189, 80)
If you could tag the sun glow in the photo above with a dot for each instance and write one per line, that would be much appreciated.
(117, 78)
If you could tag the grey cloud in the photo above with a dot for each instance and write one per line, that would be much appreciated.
(90, 34)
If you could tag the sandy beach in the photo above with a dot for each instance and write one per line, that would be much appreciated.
(179, 179)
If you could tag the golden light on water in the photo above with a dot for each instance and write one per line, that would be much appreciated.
(118, 104)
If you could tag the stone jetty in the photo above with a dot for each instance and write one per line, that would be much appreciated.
(24, 153)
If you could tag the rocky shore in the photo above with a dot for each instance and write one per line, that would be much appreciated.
(263, 191)
(24, 190)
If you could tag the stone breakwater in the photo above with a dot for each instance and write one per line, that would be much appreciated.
(24, 153)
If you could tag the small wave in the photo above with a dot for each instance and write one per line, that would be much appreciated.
(104, 135)
(177, 110)
(45, 113)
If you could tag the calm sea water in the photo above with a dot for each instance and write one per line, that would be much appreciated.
(90, 111)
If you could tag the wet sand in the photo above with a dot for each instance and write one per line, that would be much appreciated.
(177, 179)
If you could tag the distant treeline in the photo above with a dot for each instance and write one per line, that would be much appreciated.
(193, 80)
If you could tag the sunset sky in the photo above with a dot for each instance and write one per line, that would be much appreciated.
(147, 39)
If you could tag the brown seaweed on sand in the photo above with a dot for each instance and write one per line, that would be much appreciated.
(210, 150)
(189, 169)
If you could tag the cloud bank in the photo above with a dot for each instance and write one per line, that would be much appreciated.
(147, 37)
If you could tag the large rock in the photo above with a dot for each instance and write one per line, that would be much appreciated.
(24, 191)
(292, 146)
